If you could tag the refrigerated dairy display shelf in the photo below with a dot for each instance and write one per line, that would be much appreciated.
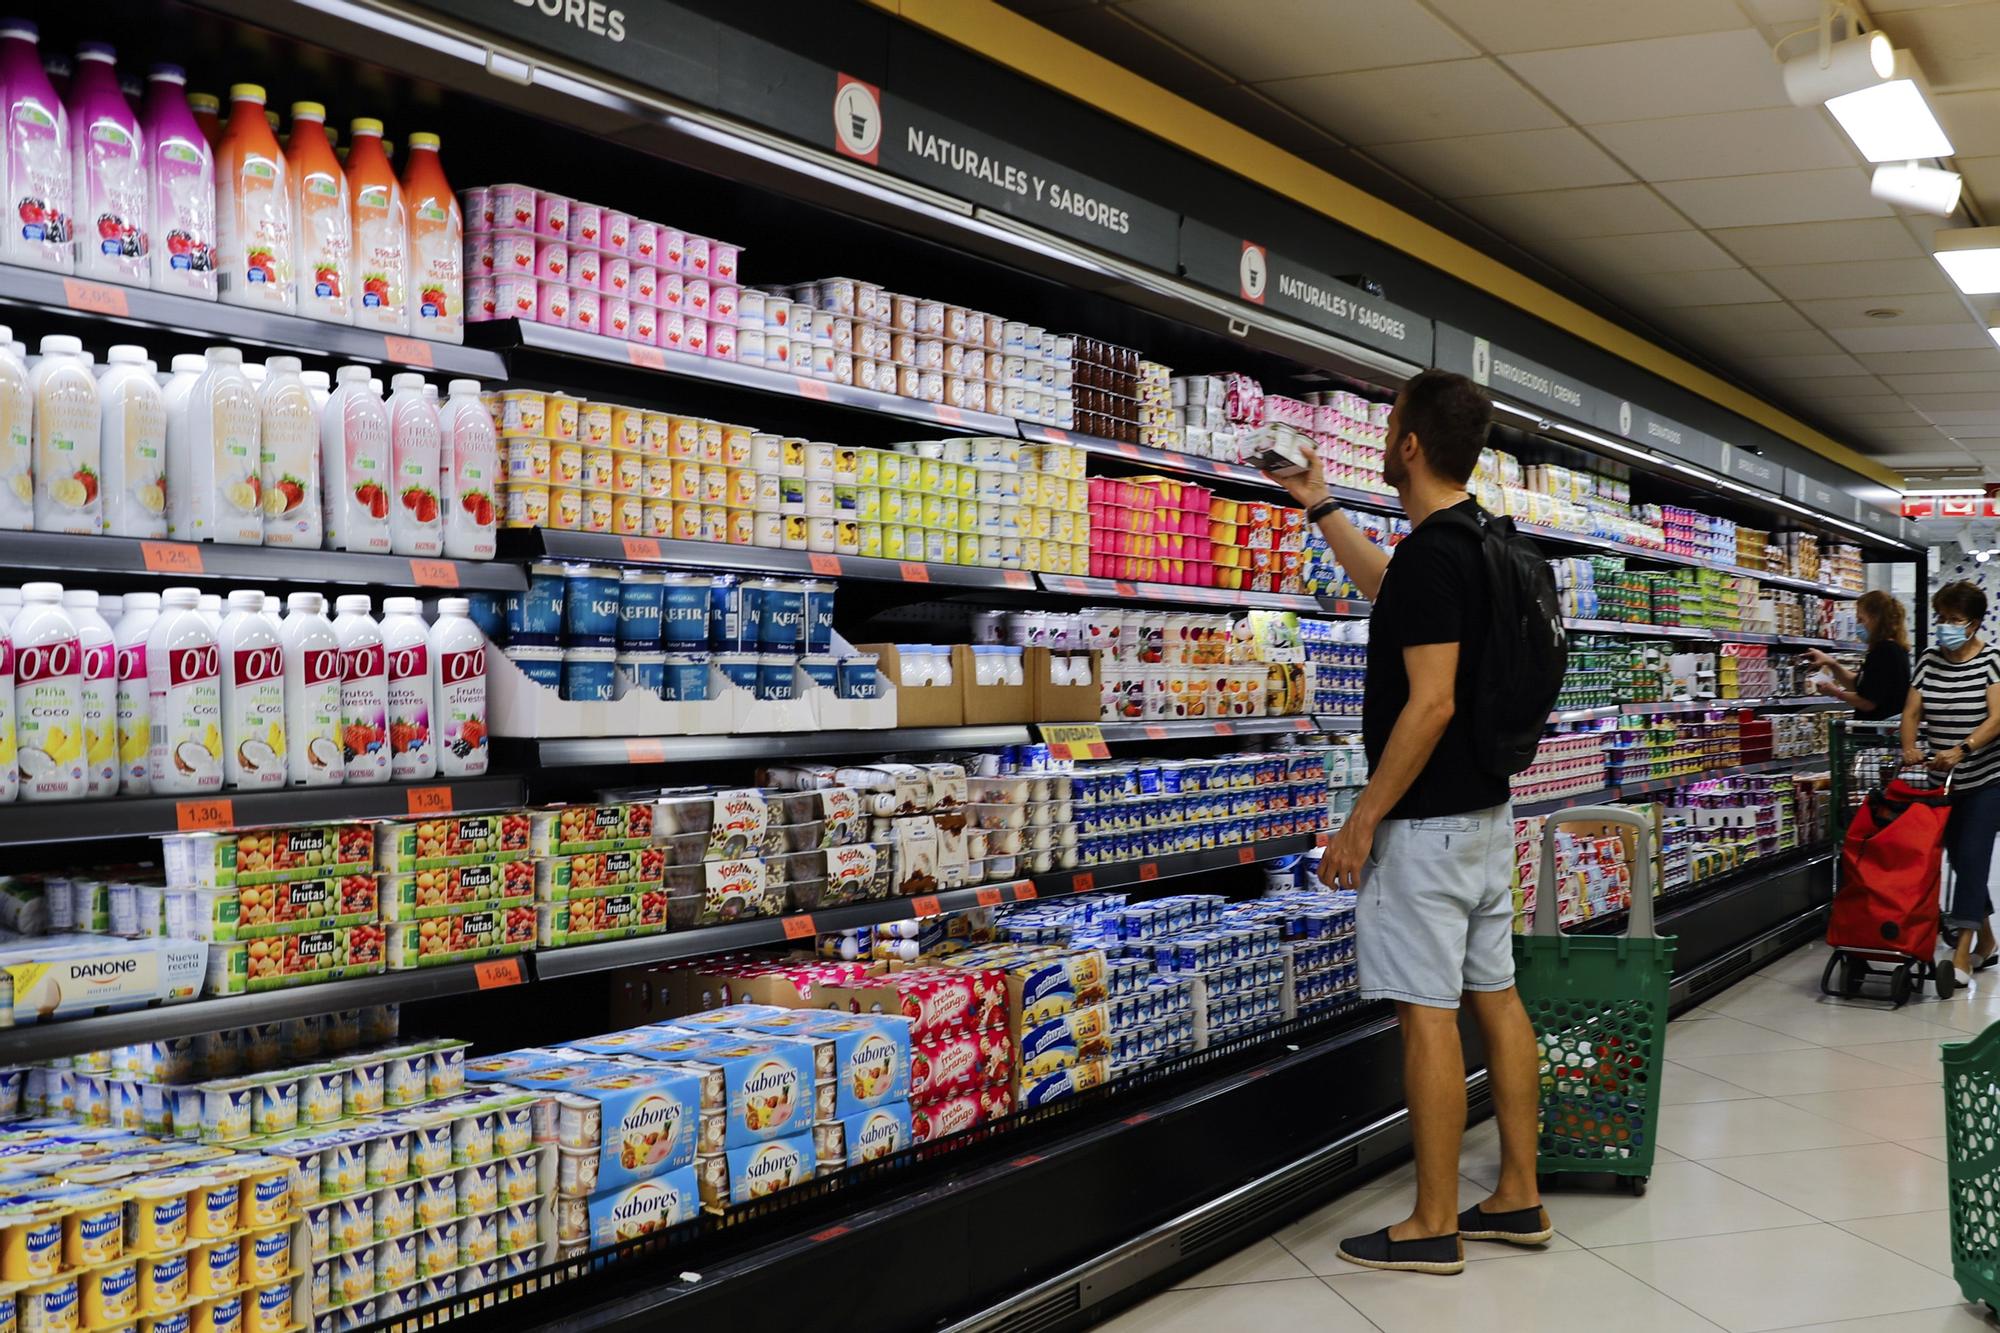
(1607, 546)
(605, 548)
(43, 1041)
(1196, 728)
(58, 552)
(1641, 629)
(1180, 594)
(509, 336)
(1632, 791)
(586, 751)
(1721, 705)
(188, 316)
(148, 816)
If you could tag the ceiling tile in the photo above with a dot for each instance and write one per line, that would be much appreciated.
(1798, 367)
(1971, 416)
(1852, 311)
(1282, 39)
(1844, 385)
(1765, 317)
(1703, 287)
(1138, 49)
(1504, 163)
(1921, 363)
(1958, 46)
(1729, 143)
(1910, 434)
(1784, 11)
(1946, 382)
(1459, 97)
(1938, 406)
(1864, 277)
(1775, 342)
(1839, 403)
(1552, 23)
(1982, 177)
(1792, 196)
(1558, 215)
(1819, 242)
(1662, 76)
(1912, 338)
(1644, 252)
(1971, 121)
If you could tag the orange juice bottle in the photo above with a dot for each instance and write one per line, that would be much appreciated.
(326, 223)
(437, 246)
(381, 232)
(253, 198)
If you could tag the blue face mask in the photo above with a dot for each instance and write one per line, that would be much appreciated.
(1952, 637)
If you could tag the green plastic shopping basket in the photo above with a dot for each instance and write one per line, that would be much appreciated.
(1599, 1008)
(1972, 1162)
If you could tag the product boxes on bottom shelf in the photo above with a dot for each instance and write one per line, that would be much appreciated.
(755, 1171)
(631, 1211)
(868, 1055)
(879, 1131)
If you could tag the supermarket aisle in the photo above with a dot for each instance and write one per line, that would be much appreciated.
(1800, 1185)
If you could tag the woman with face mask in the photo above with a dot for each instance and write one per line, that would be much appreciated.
(1877, 690)
(1954, 710)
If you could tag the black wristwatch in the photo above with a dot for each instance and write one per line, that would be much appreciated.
(1322, 509)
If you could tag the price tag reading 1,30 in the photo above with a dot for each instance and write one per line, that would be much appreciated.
(215, 813)
(988, 897)
(430, 800)
(925, 906)
(799, 927)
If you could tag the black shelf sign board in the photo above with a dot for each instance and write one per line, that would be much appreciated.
(1494, 367)
(1241, 267)
(653, 43)
(1667, 436)
(1827, 499)
(1751, 469)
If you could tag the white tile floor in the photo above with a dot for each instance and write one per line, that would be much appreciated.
(1799, 1185)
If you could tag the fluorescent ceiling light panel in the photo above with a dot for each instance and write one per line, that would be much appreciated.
(1971, 255)
(1858, 62)
(1891, 122)
(1916, 187)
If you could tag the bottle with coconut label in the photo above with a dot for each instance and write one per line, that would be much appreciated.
(469, 471)
(364, 691)
(437, 246)
(253, 206)
(135, 738)
(325, 217)
(99, 694)
(415, 517)
(132, 445)
(108, 173)
(17, 440)
(48, 698)
(406, 647)
(458, 685)
(183, 698)
(381, 233)
(312, 692)
(40, 230)
(253, 695)
(10, 773)
(66, 423)
(289, 443)
(354, 464)
(181, 164)
(214, 458)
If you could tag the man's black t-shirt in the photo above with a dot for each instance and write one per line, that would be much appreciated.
(1434, 591)
(1884, 681)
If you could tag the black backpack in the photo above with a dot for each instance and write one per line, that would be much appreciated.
(1527, 651)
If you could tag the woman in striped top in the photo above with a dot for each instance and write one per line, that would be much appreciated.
(1954, 706)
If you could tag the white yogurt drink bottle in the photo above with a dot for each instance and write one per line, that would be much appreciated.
(210, 606)
(67, 472)
(135, 738)
(406, 648)
(364, 691)
(176, 388)
(289, 456)
(10, 773)
(183, 698)
(215, 456)
(356, 489)
(415, 526)
(17, 440)
(253, 695)
(48, 698)
(469, 473)
(458, 690)
(132, 445)
(320, 385)
(312, 692)
(99, 694)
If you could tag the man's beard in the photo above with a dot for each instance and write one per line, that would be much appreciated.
(1394, 470)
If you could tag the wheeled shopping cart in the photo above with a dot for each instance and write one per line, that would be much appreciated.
(1884, 924)
(1599, 1007)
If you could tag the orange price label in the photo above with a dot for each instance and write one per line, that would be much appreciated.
(1016, 578)
(810, 388)
(1025, 890)
(1138, 1119)
(1225, 728)
(646, 358)
(1156, 733)
(831, 1233)
(645, 751)
(1083, 881)
(430, 800)
(216, 813)
(926, 905)
(1149, 870)
(1129, 450)
(171, 557)
(409, 351)
(988, 897)
(434, 573)
(822, 563)
(496, 972)
(642, 548)
(1302, 724)
(1056, 433)
(799, 927)
(913, 572)
(94, 297)
(1127, 588)
(950, 415)
(1245, 855)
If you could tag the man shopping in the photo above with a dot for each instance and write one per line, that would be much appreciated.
(1430, 843)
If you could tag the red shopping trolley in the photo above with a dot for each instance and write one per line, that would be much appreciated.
(1884, 924)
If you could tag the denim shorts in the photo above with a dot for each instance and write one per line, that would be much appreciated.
(1435, 915)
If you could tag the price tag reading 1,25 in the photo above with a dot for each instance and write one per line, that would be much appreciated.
(799, 927)
(214, 813)
(171, 557)
(824, 564)
(434, 573)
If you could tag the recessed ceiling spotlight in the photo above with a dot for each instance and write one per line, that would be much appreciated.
(1883, 312)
